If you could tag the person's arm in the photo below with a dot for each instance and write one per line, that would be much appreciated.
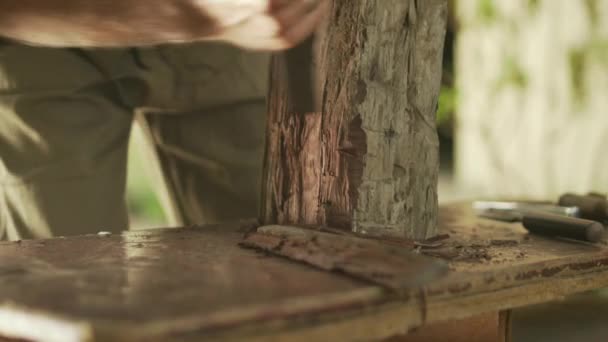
(102, 23)
(256, 24)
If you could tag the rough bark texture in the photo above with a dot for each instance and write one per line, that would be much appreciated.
(533, 79)
(369, 160)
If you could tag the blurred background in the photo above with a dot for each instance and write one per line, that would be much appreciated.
(145, 208)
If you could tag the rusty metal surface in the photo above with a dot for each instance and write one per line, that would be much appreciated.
(394, 267)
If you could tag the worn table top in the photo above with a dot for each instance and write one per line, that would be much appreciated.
(189, 283)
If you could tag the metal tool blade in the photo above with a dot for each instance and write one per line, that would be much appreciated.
(512, 206)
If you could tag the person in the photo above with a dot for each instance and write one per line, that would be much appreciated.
(73, 76)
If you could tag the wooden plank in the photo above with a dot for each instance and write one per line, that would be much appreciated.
(488, 327)
(368, 161)
(393, 267)
(190, 283)
(165, 280)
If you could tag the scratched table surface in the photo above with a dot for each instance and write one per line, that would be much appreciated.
(193, 283)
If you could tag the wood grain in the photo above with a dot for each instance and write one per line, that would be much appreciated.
(489, 327)
(391, 266)
(368, 161)
(193, 283)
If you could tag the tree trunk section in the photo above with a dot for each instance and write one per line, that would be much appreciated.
(533, 79)
(369, 160)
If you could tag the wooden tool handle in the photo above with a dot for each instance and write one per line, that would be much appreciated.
(562, 226)
(591, 207)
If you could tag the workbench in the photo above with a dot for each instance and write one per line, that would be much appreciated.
(196, 283)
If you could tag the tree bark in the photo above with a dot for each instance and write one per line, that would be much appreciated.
(368, 161)
(533, 79)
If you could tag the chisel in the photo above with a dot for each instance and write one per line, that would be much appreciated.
(591, 206)
(562, 226)
(546, 219)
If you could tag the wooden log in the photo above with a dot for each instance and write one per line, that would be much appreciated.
(368, 161)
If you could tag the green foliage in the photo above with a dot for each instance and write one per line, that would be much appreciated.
(486, 10)
(599, 50)
(576, 59)
(595, 50)
(144, 206)
(593, 11)
(512, 74)
(533, 5)
(447, 104)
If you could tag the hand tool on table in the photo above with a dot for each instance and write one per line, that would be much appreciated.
(543, 219)
(510, 210)
(591, 206)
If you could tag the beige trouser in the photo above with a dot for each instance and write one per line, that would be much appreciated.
(65, 119)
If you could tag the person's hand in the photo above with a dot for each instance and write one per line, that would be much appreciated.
(271, 24)
(253, 24)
